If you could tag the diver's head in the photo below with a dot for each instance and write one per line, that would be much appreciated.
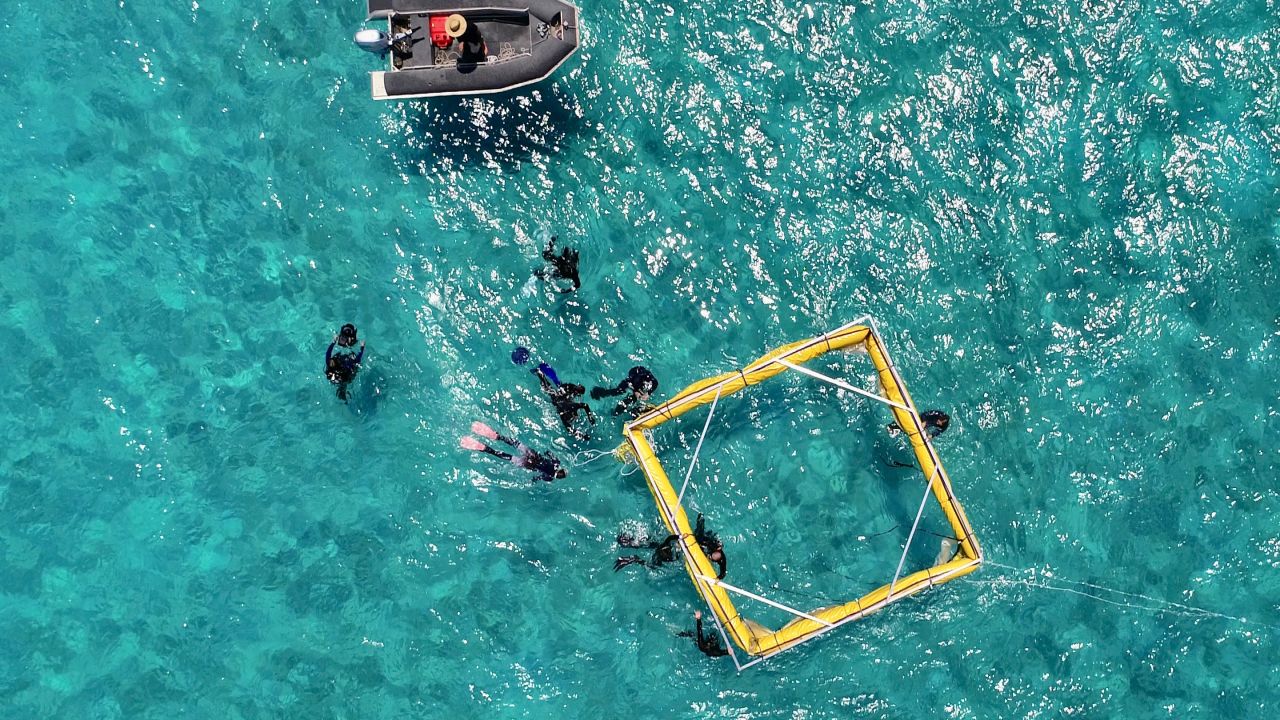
(347, 335)
(943, 422)
(573, 389)
(641, 379)
(716, 555)
(561, 473)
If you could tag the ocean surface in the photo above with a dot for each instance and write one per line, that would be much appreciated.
(1064, 217)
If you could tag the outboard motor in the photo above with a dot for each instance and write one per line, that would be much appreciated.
(374, 41)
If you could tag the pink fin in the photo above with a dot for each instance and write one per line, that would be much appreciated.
(471, 443)
(483, 430)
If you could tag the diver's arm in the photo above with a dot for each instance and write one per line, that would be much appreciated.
(360, 356)
(598, 392)
(724, 565)
(665, 544)
(542, 378)
(328, 354)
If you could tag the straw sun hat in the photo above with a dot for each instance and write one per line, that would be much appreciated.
(455, 26)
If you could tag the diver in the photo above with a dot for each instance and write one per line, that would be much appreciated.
(341, 367)
(563, 266)
(640, 383)
(710, 545)
(563, 399)
(709, 644)
(935, 423)
(545, 465)
(562, 395)
(665, 551)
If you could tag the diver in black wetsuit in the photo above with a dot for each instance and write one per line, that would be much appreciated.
(640, 383)
(709, 644)
(665, 551)
(711, 545)
(563, 266)
(341, 367)
(563, 398)
(546, 465)
(935, 423)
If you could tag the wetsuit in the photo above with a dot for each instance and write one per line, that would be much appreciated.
(709, 644)
(563, 266)
(665, 551)
(935, 422)
(545, 465)
(709, 543)
(562, 398)
(341, 369)
(639, 381)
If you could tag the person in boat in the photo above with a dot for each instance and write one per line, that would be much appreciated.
(563, 397)
(472, 48)
(935, 423)
(563, 266)
(708, 643)
(545, 465)
(341, 366)
(666, 551)
(637, 387)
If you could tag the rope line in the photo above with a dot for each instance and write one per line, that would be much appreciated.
(1162, 606)
(576, 459)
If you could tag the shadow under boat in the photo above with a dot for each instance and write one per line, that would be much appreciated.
(506, 44)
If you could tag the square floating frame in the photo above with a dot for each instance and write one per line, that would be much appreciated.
(755, 640)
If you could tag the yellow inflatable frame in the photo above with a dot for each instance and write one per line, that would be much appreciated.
(755, 640)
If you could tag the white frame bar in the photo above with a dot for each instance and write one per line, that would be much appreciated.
(840, 384)
(928, 488)
(697, 450)
(765, 600)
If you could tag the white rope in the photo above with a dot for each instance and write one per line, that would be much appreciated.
(840, 384)
(703, 436)
(576, 459)
(1162, 606)
(927, 488)
(765, 600)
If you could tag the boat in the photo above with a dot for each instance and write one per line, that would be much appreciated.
(467, 47)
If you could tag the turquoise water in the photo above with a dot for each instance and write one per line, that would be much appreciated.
(1065, 220)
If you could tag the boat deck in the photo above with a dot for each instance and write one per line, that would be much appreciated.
(505, 34)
